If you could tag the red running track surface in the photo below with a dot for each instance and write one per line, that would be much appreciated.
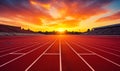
(60, 53)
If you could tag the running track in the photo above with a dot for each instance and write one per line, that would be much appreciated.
(60, 53)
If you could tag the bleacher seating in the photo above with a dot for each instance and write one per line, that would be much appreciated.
(106, 30)
(7, 28)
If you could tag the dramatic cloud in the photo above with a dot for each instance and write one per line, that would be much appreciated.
(115, 16)
(47, 14)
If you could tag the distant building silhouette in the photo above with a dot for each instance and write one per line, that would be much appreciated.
(88, 30)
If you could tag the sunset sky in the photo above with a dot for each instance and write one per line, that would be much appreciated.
(49, 15)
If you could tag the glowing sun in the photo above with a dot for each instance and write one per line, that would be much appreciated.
(61, 30)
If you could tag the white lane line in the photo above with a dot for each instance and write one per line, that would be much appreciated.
(17, 53)
(60, 55)
(22, 55)
(99, 55)
(103, 50)
(80, 56)
(9, 48)
(107, 47)
(51, 54)
(39, 57)
(29, 46)
(16, 47)
(22, 49)
(86, 53)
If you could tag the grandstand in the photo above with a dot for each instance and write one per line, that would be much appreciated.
(105, 30)
(7, 28)
(13, 30)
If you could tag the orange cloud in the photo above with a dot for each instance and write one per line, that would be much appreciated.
(115, 16)
(51, 13)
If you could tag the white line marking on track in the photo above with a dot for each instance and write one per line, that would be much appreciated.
(17, 53)
(99, 55)
(103, 50)
(10, 48)
(22, 55)
(80, 56)
(106, 47)
(16, 47)
(39, 57)
(29, 47)
(21, 49)
(60, 55)
(86, 53)
(51, 54)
